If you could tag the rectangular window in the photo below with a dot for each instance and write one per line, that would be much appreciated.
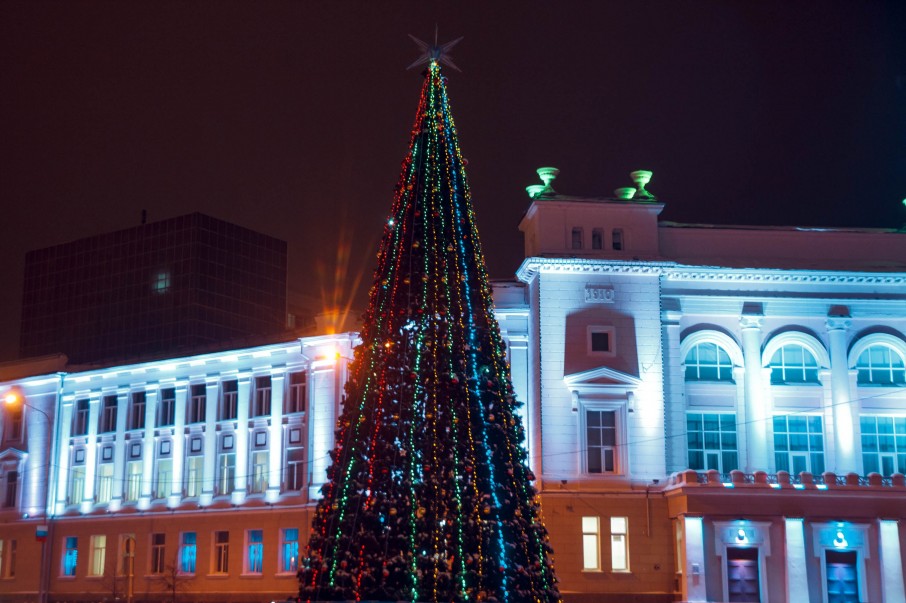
(576, 240)
(104, 483)
(883, 444)
(254, 552)
(11, 561)
(295, 469)
(799, 443)
(164, 483)
(262, 406)
(12, 489)
(221, 552)
(97, 555)
(619, 544)
(166, 410)
(70, 555)
(229, 400)
(108, 415)
(259, 471)
(295, 401)
(80, 418)
(601, 440)
(226, 479)
(711, 441)
(617, 239)
(289, 554)
(14, 424)
(601, 341)
(187, 550)
(133, 481)
(597, 238)
(158, 559)
(591, 544)
(137, 411)
(197, 403)
(76, 485)
(194, 474)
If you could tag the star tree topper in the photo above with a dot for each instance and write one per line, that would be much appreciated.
(436, 53)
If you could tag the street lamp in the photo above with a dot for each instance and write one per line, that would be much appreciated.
(13, 398)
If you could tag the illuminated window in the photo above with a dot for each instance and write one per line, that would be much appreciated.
(616, 238)
(711, 440)
(133, 481)
(708, 362)
(226, 478)
(259, 471)
(76, 485)
(108, 415)
(97, 555)
(262, 406)
(793, 363)
(295, 469)
(619, 544)
(161, 282)
(597, 238)
(254, 552)
(295, 401)
(883, 444)
(197, 403)
(194, 475)
(591, 544)
(158, 560)
(70, 555)
(576, 241)
(166, 410)
(164, 482)
(289, 562)
(187, 550)
(104, 482)
(221, 552)
(881, 365)
(80, 418)
(601, 440)
(229, 400)
(137, 411)
(799, 443)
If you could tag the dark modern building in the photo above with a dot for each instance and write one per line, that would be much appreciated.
(176, 285)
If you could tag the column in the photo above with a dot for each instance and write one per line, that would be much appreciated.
(242, 439)
(845, 406)
(892, 588)
(91, 452)
(275, 438)
(65, 434)
(151, 393)
(179, 445)
(323, 405)
(119, 450)
(757, 408)
(210, 441)
(796, 565)
(674, 390)
(694, 585)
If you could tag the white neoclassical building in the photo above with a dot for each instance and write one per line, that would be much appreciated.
(714, 413)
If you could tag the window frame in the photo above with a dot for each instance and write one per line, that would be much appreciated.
(80, 412)
(158, 556)
(292, 567)
(607, 330)
(220, 550)
(619, 540)
(196, 406)
(166, 407)
(261, 403)
(705, 450)
(137, 404)
(188, 553)
(69, 560)
(792, 454)
(618, 407)
(229, 400)
(97, 555)
(253, 563)
(591, 540)
(108, 414)
(296, 401)
(893, 369)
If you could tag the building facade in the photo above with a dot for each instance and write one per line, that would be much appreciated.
(714, 414)
(165, 288)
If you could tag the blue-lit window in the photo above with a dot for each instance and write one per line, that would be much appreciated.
(708, 362)
(799, 443)
(711, 439)
(793, 363)
(161, 282)
(289, 562)
(883, 444)
(187, 552)
(881, 365)
(255, 552)
(70, 555)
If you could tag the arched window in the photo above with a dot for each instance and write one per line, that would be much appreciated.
(707, 361)
(881, 365)
(793, 363)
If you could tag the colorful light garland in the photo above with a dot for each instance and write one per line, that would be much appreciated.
(429, 497)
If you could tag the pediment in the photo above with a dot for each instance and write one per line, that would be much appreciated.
(12, 454)
(601, 378)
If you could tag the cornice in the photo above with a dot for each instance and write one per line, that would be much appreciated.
(532, 266)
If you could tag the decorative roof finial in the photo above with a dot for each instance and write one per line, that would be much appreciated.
(436, 53)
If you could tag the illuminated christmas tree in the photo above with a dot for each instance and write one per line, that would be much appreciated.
(429, 497)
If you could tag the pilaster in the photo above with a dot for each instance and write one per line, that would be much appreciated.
(757, 409)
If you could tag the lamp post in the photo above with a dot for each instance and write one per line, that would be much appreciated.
(13, 398)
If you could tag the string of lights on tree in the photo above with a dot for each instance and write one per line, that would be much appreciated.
(429, 497)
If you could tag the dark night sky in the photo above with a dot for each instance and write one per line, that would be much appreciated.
(291, 118)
